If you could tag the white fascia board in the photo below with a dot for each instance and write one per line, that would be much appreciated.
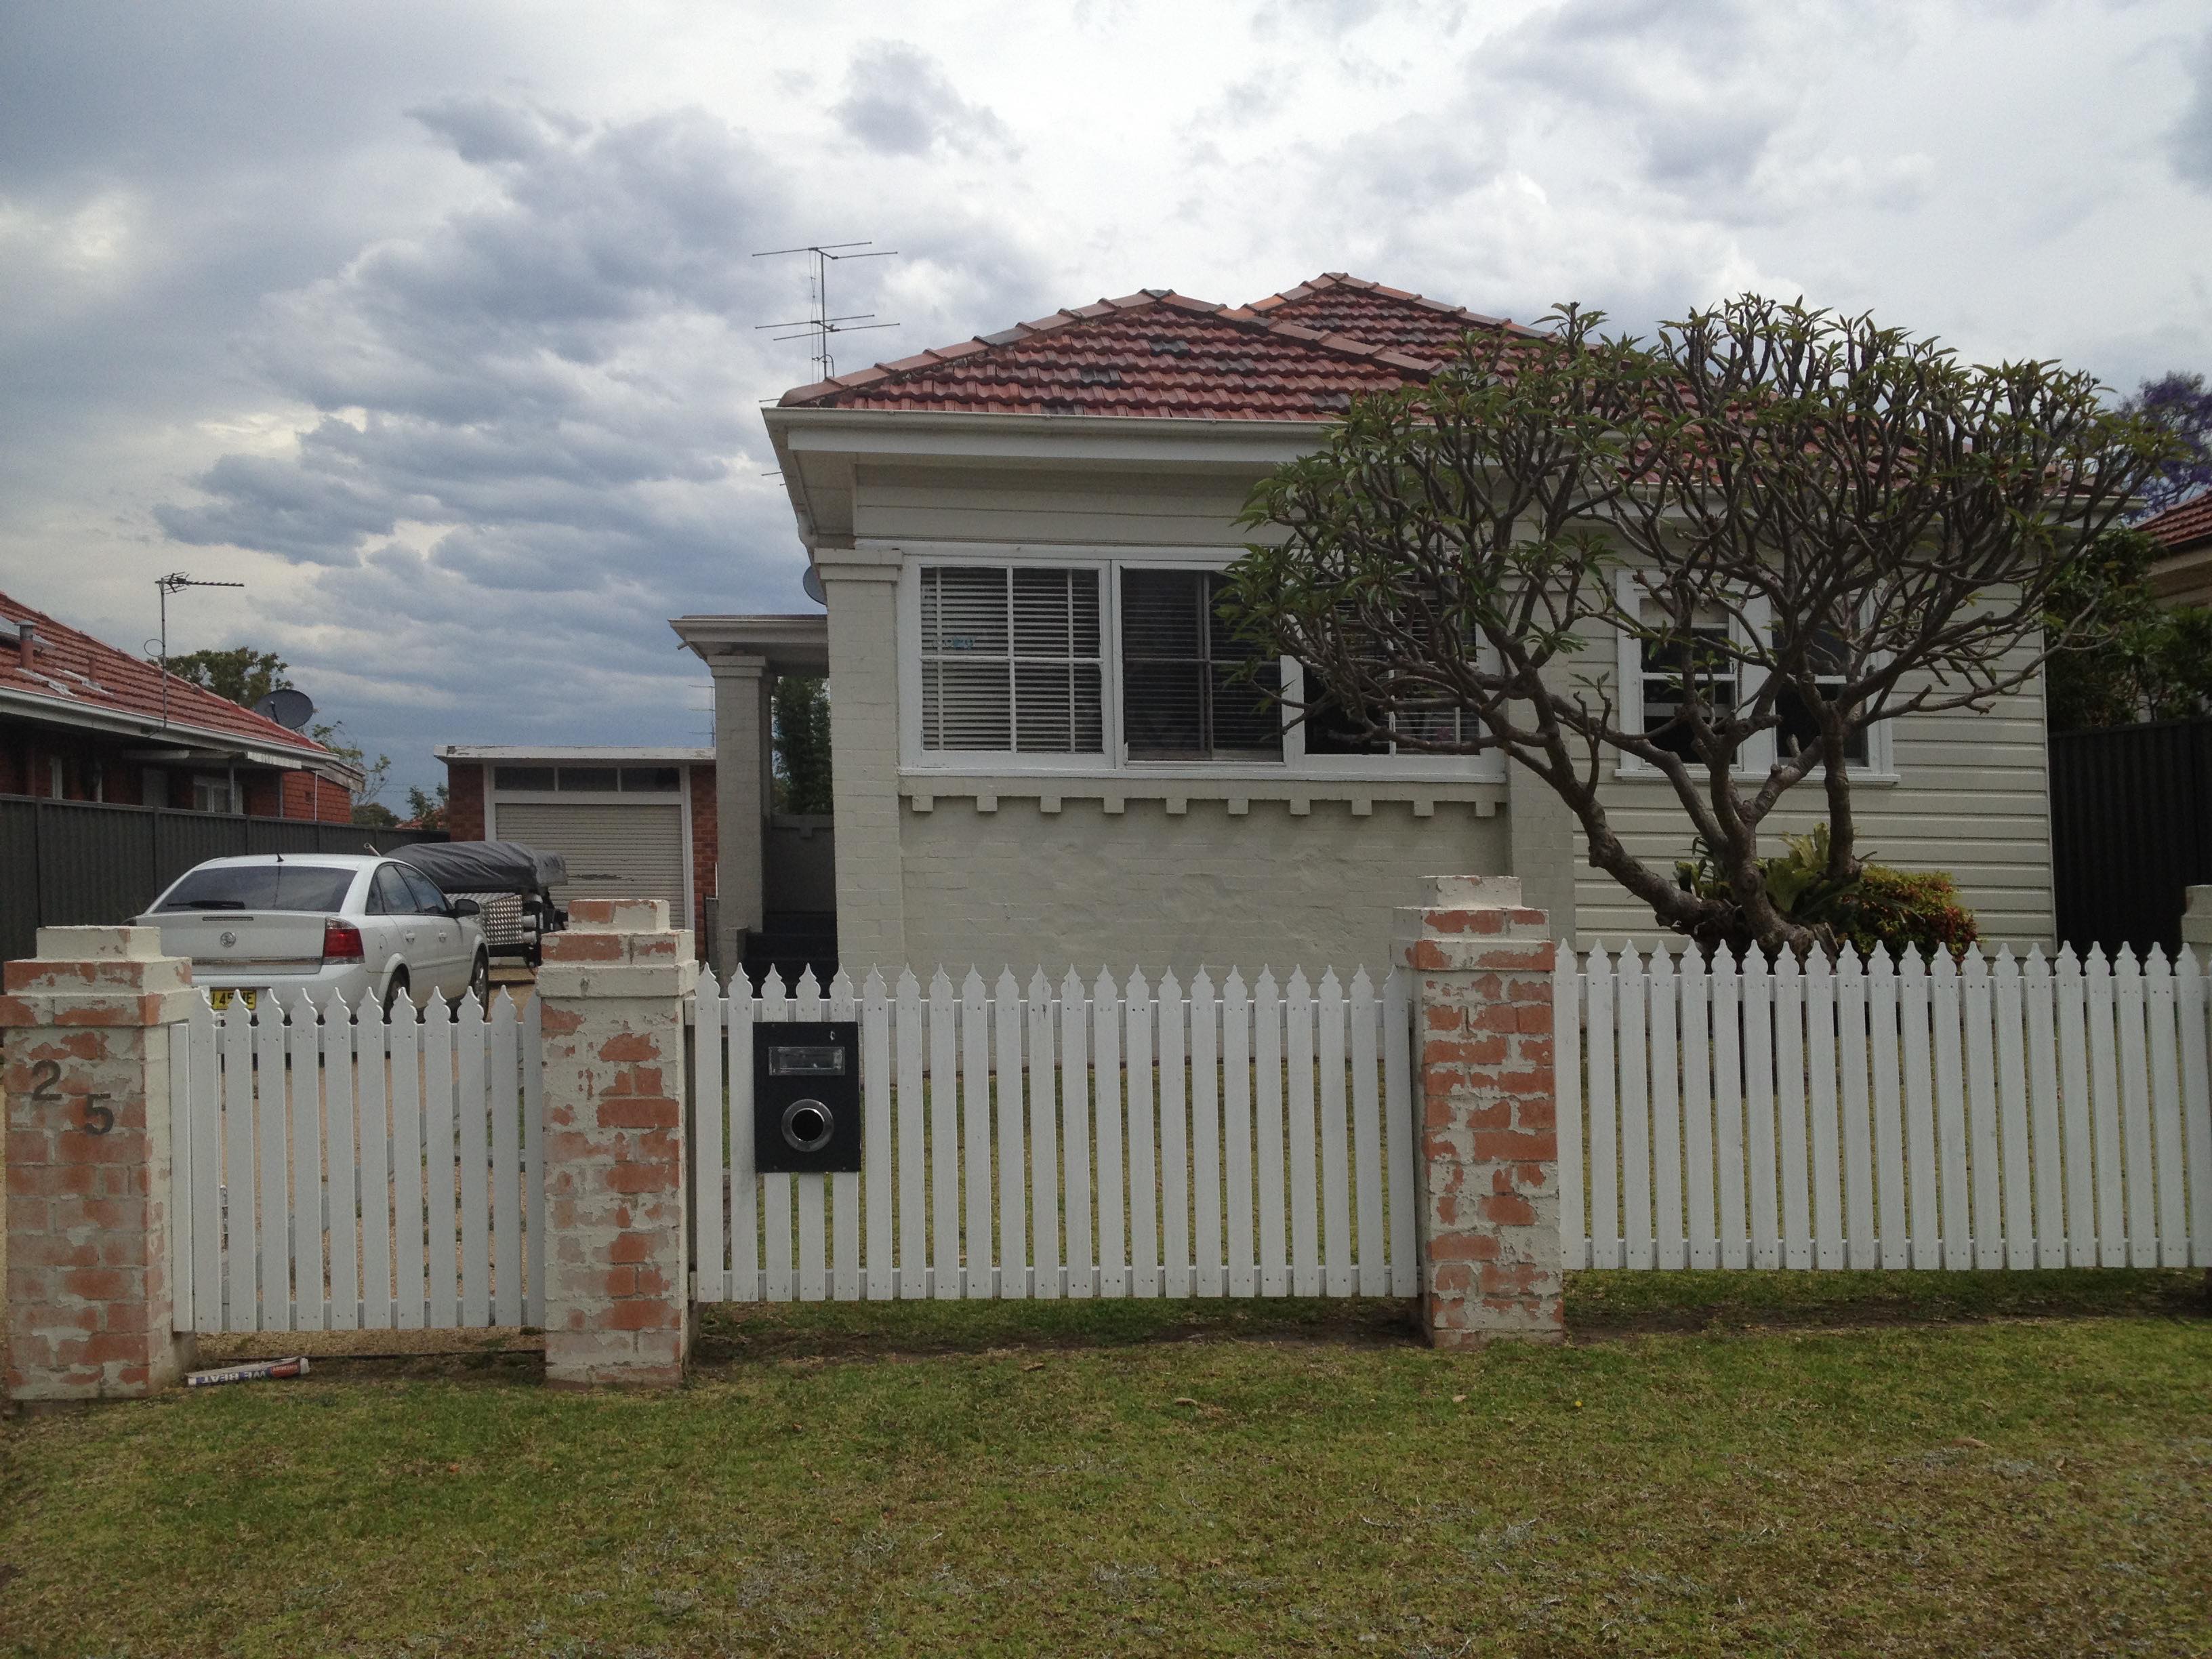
(62, 711)
(1146, 439)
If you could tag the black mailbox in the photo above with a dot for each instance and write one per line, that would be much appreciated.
(806, 1096)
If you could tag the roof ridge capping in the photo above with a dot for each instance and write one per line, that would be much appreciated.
(1329, 279)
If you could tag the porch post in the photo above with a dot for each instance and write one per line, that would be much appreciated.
(89, 1301)
(617, 1300)
(743, 748)
(1486, 1159)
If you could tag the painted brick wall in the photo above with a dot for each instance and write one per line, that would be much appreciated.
(464, 800)
(1021, 887)
(706, 845)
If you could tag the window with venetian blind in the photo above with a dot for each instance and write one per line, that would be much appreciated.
(1183, 694)
(1010, 660)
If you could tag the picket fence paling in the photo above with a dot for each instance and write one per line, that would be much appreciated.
(1113, 1139)
(1893, 1112)
(332, 1171)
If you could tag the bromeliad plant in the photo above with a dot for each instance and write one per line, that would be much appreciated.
(1810, 524)
(1876, 908)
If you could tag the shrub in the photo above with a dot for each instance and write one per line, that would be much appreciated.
(1880, 909)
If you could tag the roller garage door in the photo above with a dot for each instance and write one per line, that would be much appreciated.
(614, 850)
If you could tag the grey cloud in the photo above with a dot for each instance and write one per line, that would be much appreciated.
(2190, 141)
(898, 102)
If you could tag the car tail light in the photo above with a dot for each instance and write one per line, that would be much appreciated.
(341, 941)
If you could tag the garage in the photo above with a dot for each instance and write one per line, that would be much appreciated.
(621, 818)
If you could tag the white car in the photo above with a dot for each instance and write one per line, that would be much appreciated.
(291, 925)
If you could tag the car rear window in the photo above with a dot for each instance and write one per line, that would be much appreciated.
(261, 887)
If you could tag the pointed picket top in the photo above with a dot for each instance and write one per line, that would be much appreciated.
(435, 1006)
(810, 985)
(873, 989)
(2008, 969)
(1170, 988)
(1945, 967)
(1662, 962)
(1140, 989)
(338, 1011)
(840, 987)
(1105, 989)
(1298, 990)
(1264, 988)
(1071, 986)
(940, 985)
(1787, 966)
(2156, 969)
(2035, 965)
(909, 987)
(1850, 964)
(468, 1010)
(2127, 967)
(1818, 967)
(1883, 967)
(2185, 968)
(972, 989)
(1911, 965)
(1692, 963)
(1362, 986)
(1978, 967)
(1008, 990)
(1232, 988)
(1040, 988)
(1332, 988)
(1201, 985)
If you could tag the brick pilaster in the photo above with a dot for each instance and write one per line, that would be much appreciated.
(616, 1300)
(89, 1301)
(1487, 1159)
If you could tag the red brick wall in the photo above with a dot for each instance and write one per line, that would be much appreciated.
(706, 848)
(464, 800)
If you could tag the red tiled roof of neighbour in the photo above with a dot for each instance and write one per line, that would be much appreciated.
(1161, 353)
(2182, 526)
(74, 668)
(1388, 316)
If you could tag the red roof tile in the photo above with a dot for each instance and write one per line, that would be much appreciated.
(2182, 526)
(1388, 316)
(76, 672)
(1162, 354)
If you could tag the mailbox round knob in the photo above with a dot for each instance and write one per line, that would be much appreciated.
(808, 1125)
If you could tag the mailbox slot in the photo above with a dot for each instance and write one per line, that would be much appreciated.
(806, 1096)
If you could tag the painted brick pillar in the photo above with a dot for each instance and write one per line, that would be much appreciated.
(89, 1300)
(614, 986)
(1486, 1160)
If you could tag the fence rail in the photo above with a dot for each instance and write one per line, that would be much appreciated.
(344, 1173)
(1885, 1114)
(1105, 1140)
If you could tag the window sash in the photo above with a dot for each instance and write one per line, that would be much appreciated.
(1181, 696)
(1012, 660)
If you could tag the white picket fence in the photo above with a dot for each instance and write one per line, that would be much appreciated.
(1088, 1140)
(1884, 1115)
(332, 1173)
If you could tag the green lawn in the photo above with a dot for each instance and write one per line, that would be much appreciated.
(1737, 1464)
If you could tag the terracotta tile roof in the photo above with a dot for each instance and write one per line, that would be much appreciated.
(1162, 354)
(2182, 526)
(75, 671)
(1388, 316)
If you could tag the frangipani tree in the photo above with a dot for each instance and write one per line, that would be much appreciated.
(1805, 525)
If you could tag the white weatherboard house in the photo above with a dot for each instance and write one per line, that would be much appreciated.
(1037, 757)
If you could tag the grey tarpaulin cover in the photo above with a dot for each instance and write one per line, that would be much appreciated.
(485, 866)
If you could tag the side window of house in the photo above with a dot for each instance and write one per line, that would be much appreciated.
(1670, 666)
(1182, 696)
(1799, 729)
(1010, 660)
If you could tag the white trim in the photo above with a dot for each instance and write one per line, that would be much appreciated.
(556, 753)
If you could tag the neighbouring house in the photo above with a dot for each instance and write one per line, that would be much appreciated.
(82, 720)
(1037, 757)
(2183, 573)
(644, 823)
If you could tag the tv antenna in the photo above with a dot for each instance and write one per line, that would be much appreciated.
(175, 582)
(821, 326)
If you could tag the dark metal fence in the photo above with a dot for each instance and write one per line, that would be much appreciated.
(2130, 828)
(65, 862)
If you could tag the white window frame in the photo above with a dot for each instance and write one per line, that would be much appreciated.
(1756, 758)
(1296, 765)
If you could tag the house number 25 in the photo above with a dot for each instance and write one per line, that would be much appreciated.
(44, 1074)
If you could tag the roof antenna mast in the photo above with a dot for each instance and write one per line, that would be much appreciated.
(821, 326)
(175, 581)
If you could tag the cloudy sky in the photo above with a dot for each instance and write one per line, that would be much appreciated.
(435, 324)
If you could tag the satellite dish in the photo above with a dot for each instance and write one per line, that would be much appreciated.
(811, 581)
(290, 709)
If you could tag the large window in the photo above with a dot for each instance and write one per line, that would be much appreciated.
(1182, 697)
(1671, 665)
(1800, 729)
(1010, 660)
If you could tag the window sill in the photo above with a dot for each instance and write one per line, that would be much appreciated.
(1624, 772)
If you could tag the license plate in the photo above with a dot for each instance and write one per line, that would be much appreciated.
(220, 999)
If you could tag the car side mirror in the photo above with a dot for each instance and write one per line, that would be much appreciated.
(460, 907)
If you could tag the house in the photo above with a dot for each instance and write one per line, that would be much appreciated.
(82, 720)
(2182, 573)
(1038, 756)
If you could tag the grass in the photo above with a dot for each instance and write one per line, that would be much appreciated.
(1745, 1463)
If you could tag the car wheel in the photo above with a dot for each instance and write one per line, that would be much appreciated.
(480, 982)
(392, 991)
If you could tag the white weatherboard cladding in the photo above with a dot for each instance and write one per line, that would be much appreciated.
(614, 850)
(1143, 886)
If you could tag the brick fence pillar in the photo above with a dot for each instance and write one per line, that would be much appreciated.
(1486, 1161)
(616, 1303)
(89, 1301)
